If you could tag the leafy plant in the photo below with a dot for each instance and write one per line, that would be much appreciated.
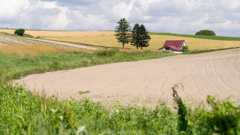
(19, 32)
(185, 48)
(182, 111)
(224, 116)
(206, 33)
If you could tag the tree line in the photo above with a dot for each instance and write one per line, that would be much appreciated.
(138, 37)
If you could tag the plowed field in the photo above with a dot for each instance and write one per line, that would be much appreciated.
(148, 81)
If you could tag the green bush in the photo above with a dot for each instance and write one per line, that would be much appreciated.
(206, 33)
(185, 48)
(19, 32)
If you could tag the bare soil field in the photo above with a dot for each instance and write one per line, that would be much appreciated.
(148, 81)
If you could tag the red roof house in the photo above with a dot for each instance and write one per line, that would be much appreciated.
(174, 45)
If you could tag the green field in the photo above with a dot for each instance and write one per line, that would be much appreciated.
(197, 36)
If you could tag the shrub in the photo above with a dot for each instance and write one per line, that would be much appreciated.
(206, 33)
(19, 32)
(185, 48)
(28, 35)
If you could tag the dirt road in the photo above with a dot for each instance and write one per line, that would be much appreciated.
(68, 44)
(147, 81)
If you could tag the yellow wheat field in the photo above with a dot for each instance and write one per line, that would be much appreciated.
(107, 39)
(34, 50)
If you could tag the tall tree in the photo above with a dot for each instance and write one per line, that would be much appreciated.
(123, 31)
(140, 37)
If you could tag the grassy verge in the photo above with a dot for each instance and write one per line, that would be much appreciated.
(209, 50)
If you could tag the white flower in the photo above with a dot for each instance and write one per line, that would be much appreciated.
(80, 129)
(61, 117)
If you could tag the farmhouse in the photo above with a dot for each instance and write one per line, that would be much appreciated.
(174, 46)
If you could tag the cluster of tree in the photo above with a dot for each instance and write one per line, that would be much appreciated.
(19, 32)
(206, 33)
(137, 37)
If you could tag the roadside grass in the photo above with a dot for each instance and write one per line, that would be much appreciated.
(210, 50)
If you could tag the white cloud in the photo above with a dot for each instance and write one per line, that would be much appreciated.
(175, 16)
(10, 9)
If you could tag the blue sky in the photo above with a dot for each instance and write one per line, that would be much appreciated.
(174, 16)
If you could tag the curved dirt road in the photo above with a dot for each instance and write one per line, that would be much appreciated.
(68, 44)
(147, 81)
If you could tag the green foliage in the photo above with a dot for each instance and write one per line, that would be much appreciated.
(206, 33)
(122, 31)
(224, 116)
(210, 50)
(19, 32)
(185, 48)
(110, 52)
(140, 37)
(182, 112)
(22, 112)
(28, 35)
(84, 92)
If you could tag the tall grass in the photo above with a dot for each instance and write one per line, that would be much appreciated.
(24, 112)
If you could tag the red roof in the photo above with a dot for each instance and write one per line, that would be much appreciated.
(174, 44)
(175, 48)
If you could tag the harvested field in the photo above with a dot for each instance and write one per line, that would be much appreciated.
(6, 39)
(148, 81)
(16, 40)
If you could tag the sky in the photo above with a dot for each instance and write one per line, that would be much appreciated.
(169, 16)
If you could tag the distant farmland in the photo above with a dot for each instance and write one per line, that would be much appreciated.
(107, 39)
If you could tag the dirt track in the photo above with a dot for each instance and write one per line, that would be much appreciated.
(68, 44)
(147, 81)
